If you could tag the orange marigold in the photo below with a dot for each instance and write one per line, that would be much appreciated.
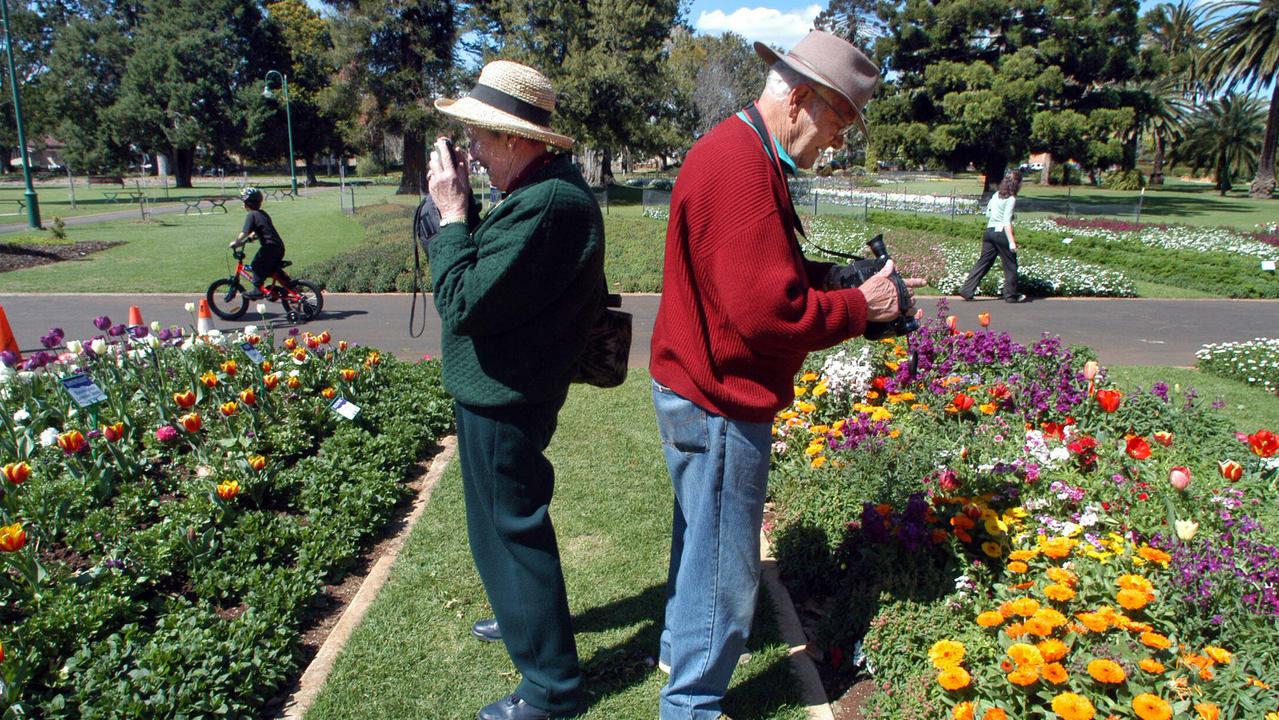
(1055, 673)
(1024, 676)
(946, 653)
(1133, 599)
(1151, 707)
(1015, 630)
(1219, 655)
(1152, 666)
(1154, 555)
(964, 711)
(1135, 582)
(1023, 555)
(1018, 567)
(1106, 671)
(954, 678)
(1058, 547)
(1070, 706)
(1025, 655)
(1052, 650)
(1155, 640)
(1025, 607)
(1208, 711)
(1038, 626)
(1062, 576)
(1051, 616)
(994, 714)
(990, 619)
(1095, 622)
(1060, 593)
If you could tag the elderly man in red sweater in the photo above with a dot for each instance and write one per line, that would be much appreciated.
(741, 308)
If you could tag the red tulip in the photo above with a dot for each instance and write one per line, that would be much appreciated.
(1230, 470)
(191, 422)
(312, 341)
(253, 339)
(113, 432)
(324, 337)
(1179, 477)
(270, 381)
(209, 379)
(1109, 400)
(184, 400)
(1138, 448)
(266, 366)
(347, 374)
(228, 408)
(228, 489)
(962, 402)
(72, 442)
(1163, 438)
(329, 393)
(12, 538)
(342, 345)
(294, 383)
(290, 343)
(248, 397)
(1263, 443)
(257, 462)
(17, 473)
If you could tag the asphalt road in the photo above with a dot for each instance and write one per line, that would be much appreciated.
(1123, 332)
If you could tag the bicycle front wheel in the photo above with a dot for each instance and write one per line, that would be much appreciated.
(226, 299)
(310, 300)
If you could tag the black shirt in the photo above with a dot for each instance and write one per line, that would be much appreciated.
(260, 223)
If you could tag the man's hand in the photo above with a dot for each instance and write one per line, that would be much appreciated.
(448, 183)
(881, 295)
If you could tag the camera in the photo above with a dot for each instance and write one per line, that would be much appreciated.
(448, 145)
(862, 269)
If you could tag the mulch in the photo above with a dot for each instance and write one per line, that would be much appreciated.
(15, 256)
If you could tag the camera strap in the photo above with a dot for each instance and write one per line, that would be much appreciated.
(761, 129)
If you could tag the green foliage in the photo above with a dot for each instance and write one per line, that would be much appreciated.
(1124, 180)
(1225, 138)
(382, 262)
(369, 166)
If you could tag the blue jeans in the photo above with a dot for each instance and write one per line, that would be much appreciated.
(719, 469)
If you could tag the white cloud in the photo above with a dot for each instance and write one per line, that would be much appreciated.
(767, 25)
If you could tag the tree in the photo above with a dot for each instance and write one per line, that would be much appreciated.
(853, 20)
(1244, 50)
(716, 75)
(1225, 137)
(395, 57)
(29, 56)
(1163, 113)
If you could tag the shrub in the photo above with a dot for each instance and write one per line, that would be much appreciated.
(369, 166)
(1123, 180)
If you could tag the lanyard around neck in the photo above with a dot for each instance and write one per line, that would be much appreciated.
(756, 121)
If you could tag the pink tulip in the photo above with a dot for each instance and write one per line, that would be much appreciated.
(1179, 477)
(166, 433)
(1090, 370)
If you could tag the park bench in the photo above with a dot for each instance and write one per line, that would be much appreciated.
(213, 201)
(21, 205)
(279, 193)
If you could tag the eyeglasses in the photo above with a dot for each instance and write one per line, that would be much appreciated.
(848, 127)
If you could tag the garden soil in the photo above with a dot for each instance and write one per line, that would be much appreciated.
(14, 256)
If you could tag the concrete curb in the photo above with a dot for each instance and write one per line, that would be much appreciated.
(811, 692)
(318, 671)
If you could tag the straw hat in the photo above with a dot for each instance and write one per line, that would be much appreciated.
(831, 62)
(509, 98)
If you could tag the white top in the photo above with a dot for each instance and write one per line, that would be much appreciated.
(1000, 211)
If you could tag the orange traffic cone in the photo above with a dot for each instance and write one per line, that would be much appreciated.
(204, 318)
(7, 341)
(135, 316)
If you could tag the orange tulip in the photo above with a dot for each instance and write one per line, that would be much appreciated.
(249, 397)
(228, 489)
(72, 442)
(266, 366)
(191, 422)
(270, 381)
(329, 393)
(113, 432)
(374, 358)
(984, 319)
(962, 402)
(294, 383)
(299, 355)
(228, 408)
(186, 400)
(324, 337)
(347, 374)
(290, 343)
(1263, 443)
(1230, 470)
(229, 367)
(209, 379)
(257, 462)
(1109, 400)
(342, 345)
(17, 473)
(1163, 438)
(952, 322)
(12, 538)
(253, 339)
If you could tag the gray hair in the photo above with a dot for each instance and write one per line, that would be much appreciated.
(782, 79)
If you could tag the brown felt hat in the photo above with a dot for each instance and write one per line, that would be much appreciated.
(831, 62)
(509, 98)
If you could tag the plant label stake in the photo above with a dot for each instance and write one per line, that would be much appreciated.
(84, 391)
(345, 408)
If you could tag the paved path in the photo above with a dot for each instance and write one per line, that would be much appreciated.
(1124, 332)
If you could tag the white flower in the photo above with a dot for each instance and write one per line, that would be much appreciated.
(6, 374)
(155, 326)
(153, 341)
(98, 346)
(250, 329)
(261, 308)
(49, 437)
(214, 333)
(1067, 241)
(189, 307)
(1186, 529)
(75, 347)
(187, 344)
(1059, 454)
(293, 373)
(21, 416)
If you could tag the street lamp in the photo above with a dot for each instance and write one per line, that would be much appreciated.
(288, 118)
(33, 203)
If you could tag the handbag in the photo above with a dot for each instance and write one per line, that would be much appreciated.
(608, 347)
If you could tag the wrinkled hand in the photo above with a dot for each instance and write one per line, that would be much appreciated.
(448, 183)
(881, 295)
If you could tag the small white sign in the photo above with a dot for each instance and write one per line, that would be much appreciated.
(1268, 265)
(252, 352)
(346, 409)
(84, 391)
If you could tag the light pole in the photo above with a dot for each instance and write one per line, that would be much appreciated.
(288, 119)
(33, 202)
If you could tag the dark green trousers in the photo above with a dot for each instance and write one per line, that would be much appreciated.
(508, 484)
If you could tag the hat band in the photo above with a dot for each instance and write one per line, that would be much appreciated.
(511, 105)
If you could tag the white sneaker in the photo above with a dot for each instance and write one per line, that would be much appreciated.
(663, 667)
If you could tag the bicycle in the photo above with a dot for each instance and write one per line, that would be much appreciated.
(302, 299)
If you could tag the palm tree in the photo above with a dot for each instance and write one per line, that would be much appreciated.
(1225, 137)
(1162, 111)
(1244, 50)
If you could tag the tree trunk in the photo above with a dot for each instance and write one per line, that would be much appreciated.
(183, 164)
(413, 180)
(1223, 174)
(1263, 186)
(310, 170)
(1046, 177)
(596, 167)
(995, 167)
(1157, 172)
(6, 157)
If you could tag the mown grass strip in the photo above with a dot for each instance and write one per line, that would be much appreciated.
(413, 656)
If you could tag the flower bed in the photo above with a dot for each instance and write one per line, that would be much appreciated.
(163, 546)
(1165, 237)
(1002, 534)
(1255, 362)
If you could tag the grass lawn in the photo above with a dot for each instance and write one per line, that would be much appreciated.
(1248, 408)
(55, 195)
(413, 656)
(183, 253)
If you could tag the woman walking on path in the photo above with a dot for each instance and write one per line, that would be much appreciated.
(998, 241)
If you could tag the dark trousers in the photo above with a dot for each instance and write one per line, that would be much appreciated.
(508, 484)
(994, 243)
(266, 262)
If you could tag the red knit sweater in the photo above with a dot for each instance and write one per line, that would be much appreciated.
(739, 310)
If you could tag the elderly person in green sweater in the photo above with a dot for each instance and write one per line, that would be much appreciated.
(517, 292)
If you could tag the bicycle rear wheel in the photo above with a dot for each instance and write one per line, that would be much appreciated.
(226, 299)
(309, 303)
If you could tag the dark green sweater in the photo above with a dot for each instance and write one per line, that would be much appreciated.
(518, 291)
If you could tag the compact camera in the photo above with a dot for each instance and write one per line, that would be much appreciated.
(862, 269)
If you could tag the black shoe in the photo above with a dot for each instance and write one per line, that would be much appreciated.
(966, 298)
(1019, 298)
(253, 294)
(487, 630)
(512, 707)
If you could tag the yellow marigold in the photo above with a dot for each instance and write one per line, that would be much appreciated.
(1025, 655)
(808, 376)
(820, 389)
(1024, 676)
(1095, 622)
(1017, 567)
(1055, 673)
(946, 653)
(993, 549)
(1052, 649)
(1152, 666)
(1155, 640)
(994, 714)
(1070, 706)
(800, 391)
(1106, 671)
(1062, 576)
(954, 678)
(1022, 555)
(1151, 707)
(1208, 711)
(964, 711)
(1058, 548)
(1257, 683)
(1134, 599)
(1059, 593)
(1219, 655)
(1051, 616)
(990, 619)
(1025, 607)
(805, 407)
(1154, 555)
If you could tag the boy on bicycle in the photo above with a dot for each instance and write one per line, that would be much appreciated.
(258, 226)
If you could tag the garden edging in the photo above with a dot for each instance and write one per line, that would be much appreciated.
(317, 672)
(811, 692)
